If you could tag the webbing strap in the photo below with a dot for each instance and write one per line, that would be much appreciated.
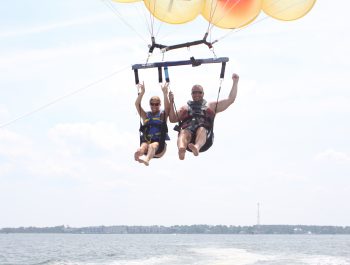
(160, 76)
(223, 67)
(166, 74)
(136, 73)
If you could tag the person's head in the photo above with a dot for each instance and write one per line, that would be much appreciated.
(155, 103)
(197, 93)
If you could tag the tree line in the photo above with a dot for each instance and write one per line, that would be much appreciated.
(186, 229)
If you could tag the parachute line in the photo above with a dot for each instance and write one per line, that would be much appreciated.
(152, 18)
(227, 11)
(55, 101)
(145, 18)
(211, 14)
(119, 15)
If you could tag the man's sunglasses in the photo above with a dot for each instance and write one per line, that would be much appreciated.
(154, 104)
(197, 92)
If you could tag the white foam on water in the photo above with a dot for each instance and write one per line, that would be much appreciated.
(148, 261)
(162, 260)
(221, 256)
(324, 260)
(230, 256)
(208, 256)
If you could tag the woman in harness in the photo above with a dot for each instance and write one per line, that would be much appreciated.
(196, 119)
(153, 131)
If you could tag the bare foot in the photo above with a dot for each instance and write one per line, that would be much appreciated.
(145, 161)
(137, 155)
(194, 149)
(182, 152)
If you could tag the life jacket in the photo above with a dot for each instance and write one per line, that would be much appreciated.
(199, 115)
(154, 129)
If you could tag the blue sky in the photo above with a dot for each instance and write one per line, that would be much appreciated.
(284, 143)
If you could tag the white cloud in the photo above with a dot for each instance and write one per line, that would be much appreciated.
(102, 135)
(53, 26)
(24, 155)
(6, 169)
(332, 155)
(4, 113)
(13, 144)
(90, 154)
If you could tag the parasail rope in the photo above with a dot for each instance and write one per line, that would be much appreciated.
(152, 17)
(224, 14)
(212, 11)
(119, 15)
(56, 100)
(143, 14)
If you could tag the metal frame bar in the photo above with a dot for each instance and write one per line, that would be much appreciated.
(181, 45)
(193, 62)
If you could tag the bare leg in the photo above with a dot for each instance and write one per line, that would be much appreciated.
(182, 142)
(162, 153)
(140, 152)
(152, 148)
(201, 138)
(194, 149)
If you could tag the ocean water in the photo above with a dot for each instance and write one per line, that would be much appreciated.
(150, 249)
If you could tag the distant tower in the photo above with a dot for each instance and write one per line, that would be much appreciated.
(258, 216)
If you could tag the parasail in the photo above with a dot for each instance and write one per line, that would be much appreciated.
(227, 14)
(287, 9)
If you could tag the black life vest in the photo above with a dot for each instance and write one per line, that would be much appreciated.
(199, 115)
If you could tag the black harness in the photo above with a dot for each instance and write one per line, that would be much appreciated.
(198, 116)
(163, 128)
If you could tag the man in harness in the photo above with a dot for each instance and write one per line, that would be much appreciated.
(196, 119)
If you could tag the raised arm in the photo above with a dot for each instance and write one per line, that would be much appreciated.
(172, 113)
(165, 89)
(140, 110)
(225, 103)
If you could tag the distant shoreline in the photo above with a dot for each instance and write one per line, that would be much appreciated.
(185, 229)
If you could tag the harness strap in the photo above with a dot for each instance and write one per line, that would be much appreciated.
(223, 67)
(162, 134)
(136, 73)
(160, 76)
(166, 74)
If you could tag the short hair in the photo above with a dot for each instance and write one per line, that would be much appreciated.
(156, 98)
(198, 86)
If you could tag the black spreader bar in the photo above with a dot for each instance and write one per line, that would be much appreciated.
(193, 62)
(165, 65)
